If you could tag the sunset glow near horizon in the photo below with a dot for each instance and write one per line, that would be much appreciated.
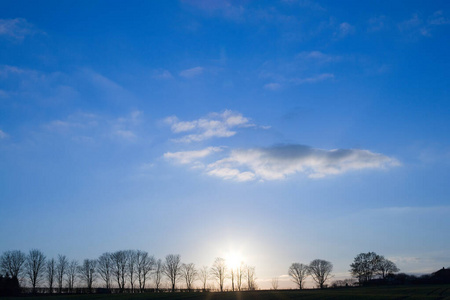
(268, 132)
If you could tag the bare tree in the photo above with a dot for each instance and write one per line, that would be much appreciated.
(204, 276)
(145, 264)
(104, 268)
(131, 267)
(218, 271)
(275, 283)
(251, 278)
(232, 277)
(71, 274)
(320, 271)
(172, 268)
(240, 274)
(119, 259)
(189, 273)
(386, 267)
(50, 269)
(298, 272)
(34, 266)
(87, 272)
(159, 268)
(61, 269)
(12, 263)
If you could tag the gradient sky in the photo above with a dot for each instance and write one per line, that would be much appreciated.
(284, 131)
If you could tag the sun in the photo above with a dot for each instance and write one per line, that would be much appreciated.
(233, 259)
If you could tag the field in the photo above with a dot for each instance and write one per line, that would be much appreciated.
(393, 292)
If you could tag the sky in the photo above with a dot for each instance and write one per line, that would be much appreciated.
(281, 131)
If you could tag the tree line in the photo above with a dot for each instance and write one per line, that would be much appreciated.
(124, 270)
(365, 268)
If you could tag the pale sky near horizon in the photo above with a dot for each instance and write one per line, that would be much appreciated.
(282, 130)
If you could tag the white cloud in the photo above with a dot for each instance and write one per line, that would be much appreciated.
(224, 8)
(278, 162)
(190, 73)
(377, 23)
(273, 86)
(314, 79)
(213, 125)
(416, 26)
(3, 135)
(126, 134)
(16, 28)
(187, 157)
(162, 74)
(83, 126)
(438, 18)
(317, 56)
(345, 29)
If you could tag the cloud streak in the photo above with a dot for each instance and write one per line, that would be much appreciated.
(213, 125)
(193, 72)
(187, 157)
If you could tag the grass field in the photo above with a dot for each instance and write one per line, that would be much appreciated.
(391, 292)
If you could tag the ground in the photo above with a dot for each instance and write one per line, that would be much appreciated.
(441, 292)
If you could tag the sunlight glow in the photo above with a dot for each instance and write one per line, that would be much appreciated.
(233, 259)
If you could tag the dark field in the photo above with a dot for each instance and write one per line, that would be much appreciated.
(394, 292)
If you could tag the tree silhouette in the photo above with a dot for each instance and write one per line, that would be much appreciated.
(50, 268)
(145, 264)
(298, 272)
(12, 263)
(189, 274)
(218, 271)
(87, 272)
(204, 276)
(34, 266)
(61, 269)
(251, 278)
(71, 274)
(172, 268)
(320, 271)
(159, 271)
(119, 259)
(104, 268)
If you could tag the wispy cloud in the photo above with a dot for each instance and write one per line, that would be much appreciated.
(187, 157)
(313, 79)
(3, 135)
(162, 74)
(438, 18)
(193, 72)
(418, 26)
(318, 57)
(82, 126)
(378, 23)
(16, 28)
(213, 125)
(345, 29)
(273, 86)
(228, 9)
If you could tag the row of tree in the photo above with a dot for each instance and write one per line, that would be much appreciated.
(365, 267)
(125, 269)
(318, 269)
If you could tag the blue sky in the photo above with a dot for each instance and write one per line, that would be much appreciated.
(284, 131)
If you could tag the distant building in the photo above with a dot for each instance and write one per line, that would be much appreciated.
(443, 275)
